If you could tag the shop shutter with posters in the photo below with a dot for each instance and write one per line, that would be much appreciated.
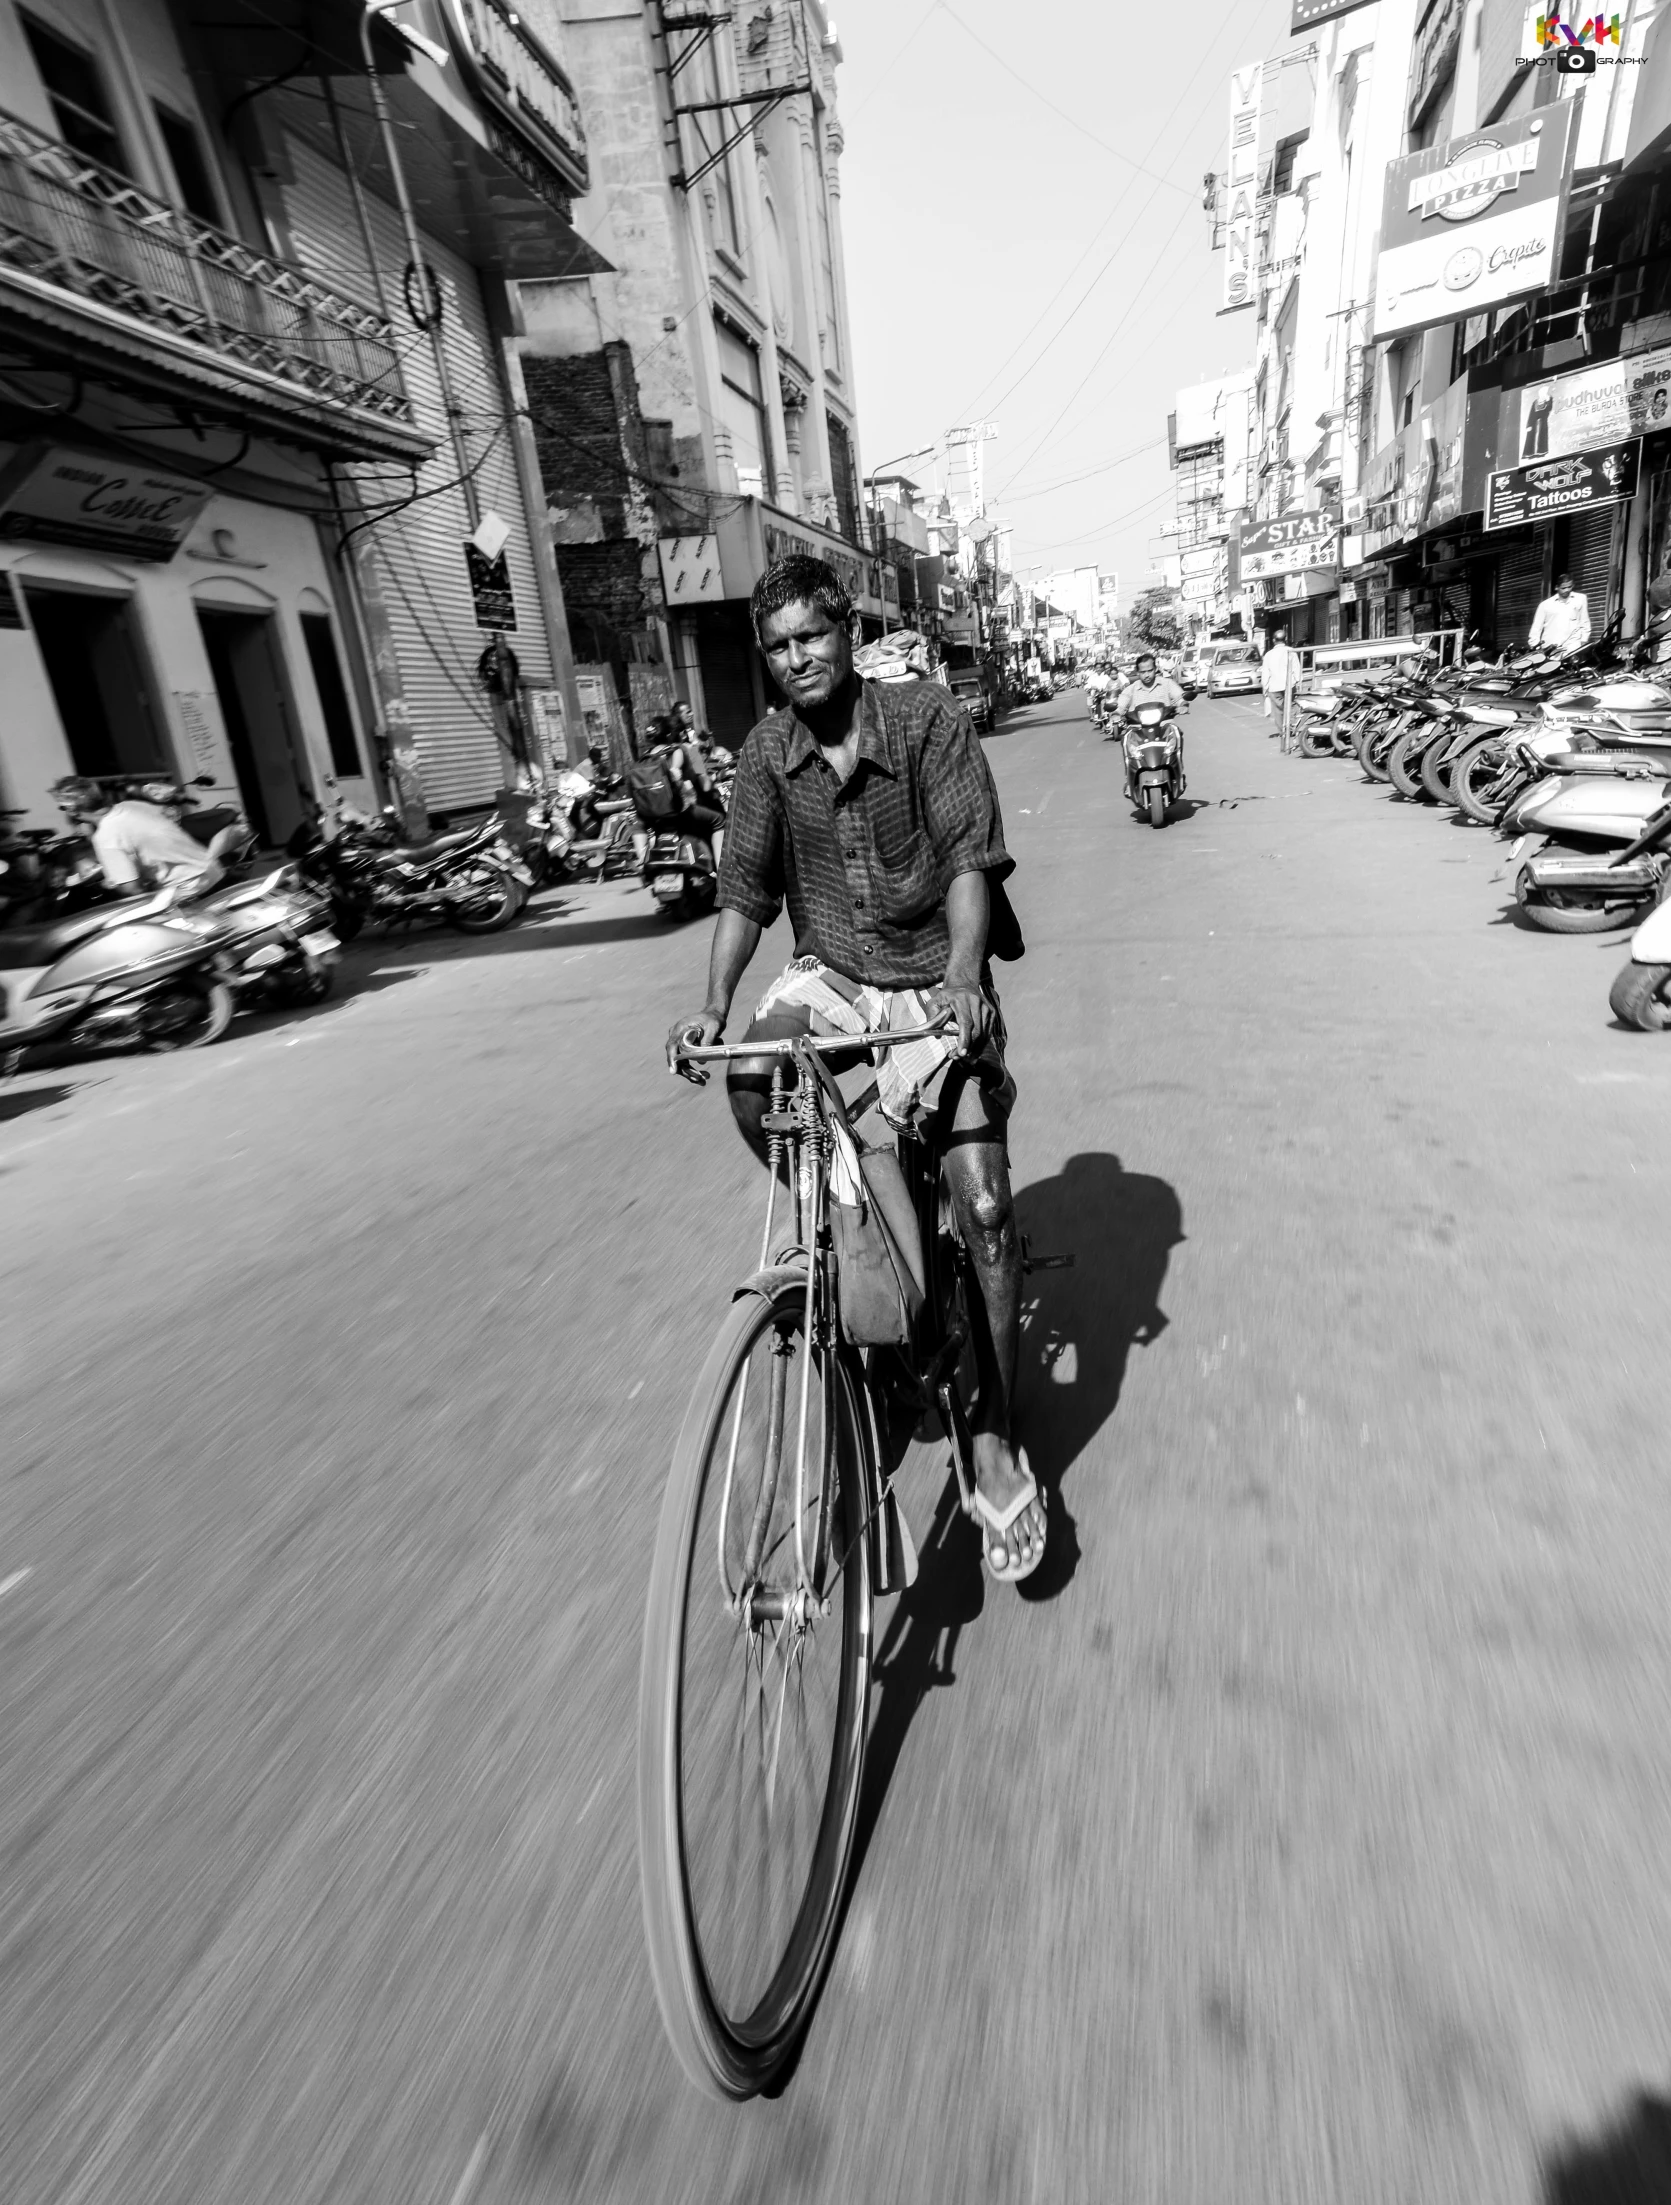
(417, 553)
(1519, 587)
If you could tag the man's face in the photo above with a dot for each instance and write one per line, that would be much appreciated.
(1563, 587)
(1146, 671)
(810, 655)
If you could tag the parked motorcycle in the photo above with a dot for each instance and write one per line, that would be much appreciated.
(1153, 747)
(143, 974)
(470, 879)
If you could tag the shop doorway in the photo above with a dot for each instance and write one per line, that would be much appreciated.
(260, 725)
(96, 666)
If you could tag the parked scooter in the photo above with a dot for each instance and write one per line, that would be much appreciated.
(680, 873)
(276, 941)
(1153, 749)
(144, 974)
(1641, 992)
(1605, 858)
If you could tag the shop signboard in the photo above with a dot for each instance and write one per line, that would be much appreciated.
(1198, 589)
(1515, 495)
(1473, 222)
(691, 573)
(1593, 406)
(786, 538)
(1289, 546)
(1241, 188)
(1308, 12)
(54, 494)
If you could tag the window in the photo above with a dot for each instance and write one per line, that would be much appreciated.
(333, 695)
(76, 95)
(743, 413)
(191, 171)
(843, 478)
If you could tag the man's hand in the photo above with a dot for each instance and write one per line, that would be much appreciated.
(969, 1007)
(699, 1032)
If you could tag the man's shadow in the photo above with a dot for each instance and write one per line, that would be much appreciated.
(1078, 1329)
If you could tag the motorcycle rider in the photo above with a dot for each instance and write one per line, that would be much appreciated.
(699, 811)
(139, 848)
(1148, 685)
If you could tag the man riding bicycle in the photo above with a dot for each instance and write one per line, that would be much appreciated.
(869, 806)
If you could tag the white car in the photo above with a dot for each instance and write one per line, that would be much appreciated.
(1230, 669)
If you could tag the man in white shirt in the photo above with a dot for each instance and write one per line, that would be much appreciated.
(1561, 622)
(138, 847)
(1279, 677)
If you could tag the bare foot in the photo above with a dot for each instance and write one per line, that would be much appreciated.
(999, 1476)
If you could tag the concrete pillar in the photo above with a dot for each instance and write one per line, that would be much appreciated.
(553, 613)
(1633, 596)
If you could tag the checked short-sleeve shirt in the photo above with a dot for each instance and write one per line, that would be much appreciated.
(865, 865)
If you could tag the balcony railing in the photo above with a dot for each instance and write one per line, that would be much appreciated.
(82, 228)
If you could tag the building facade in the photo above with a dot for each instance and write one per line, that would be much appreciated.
(1459, 315)
(692, 399)
(255, 279)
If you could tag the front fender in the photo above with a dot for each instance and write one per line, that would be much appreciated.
(1651, 943)
(768, 1284)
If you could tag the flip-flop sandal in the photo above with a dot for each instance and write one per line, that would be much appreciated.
(997, 1521)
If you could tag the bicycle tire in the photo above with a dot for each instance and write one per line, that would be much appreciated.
(726, 2055)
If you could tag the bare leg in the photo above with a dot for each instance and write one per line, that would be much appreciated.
(978, 1173)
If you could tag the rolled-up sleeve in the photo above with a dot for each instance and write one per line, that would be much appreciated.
(751, 866)
(960, 803)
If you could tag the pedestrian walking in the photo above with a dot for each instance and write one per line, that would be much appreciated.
(1279, 677)
(1561, 622)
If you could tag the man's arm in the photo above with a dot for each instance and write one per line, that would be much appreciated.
(968, 913)
(1584, 637)
(736, 939)
(1535, 636)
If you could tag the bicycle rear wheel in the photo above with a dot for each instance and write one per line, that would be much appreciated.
(752, 1696)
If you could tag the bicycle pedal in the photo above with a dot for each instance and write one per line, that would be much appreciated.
(1047, 1263)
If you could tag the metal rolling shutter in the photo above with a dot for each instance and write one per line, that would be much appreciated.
(419, 551)
(1590, 560)
(1519, 587)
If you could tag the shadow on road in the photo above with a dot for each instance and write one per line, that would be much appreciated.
(1080, 1326)
(545, 929)
(17, 1104)
(1631, 2165)
(1078, 1329)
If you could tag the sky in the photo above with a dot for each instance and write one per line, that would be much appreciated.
(1026, 245)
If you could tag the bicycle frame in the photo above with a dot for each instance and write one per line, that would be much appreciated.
(798, 1145)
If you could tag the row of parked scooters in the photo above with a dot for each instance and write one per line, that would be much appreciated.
(1567, 756)
(81, 968)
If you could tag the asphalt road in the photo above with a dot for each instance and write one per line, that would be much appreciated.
(1304, 1838)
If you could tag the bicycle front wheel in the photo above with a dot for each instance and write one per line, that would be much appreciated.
(752, 1696)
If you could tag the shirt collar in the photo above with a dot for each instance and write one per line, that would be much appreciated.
(873, 735)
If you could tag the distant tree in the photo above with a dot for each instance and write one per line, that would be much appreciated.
(1152, 621)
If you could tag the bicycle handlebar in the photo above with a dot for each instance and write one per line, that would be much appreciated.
(818, 1043)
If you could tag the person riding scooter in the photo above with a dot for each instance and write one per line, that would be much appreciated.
(139, 848)
(1148, 685)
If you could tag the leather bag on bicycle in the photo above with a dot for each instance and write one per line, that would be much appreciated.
(878, 1244)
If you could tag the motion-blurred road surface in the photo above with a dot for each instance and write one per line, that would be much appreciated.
(1305, 1837)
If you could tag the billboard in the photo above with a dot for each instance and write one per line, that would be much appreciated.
(1470, 223)
(1515, 495)
(1289, 546)
(1241, 188)
(1607, 404)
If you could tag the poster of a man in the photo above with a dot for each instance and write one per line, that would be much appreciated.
(1539, 405)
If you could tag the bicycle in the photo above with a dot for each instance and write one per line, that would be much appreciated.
(778, 1532)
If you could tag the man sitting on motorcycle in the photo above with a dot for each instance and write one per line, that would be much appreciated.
(139, 848)
(1148, 685)
(684, 782)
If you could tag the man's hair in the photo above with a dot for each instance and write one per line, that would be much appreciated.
(79, 790)
(799, 580)
(1560, 578)
(1147, 658)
